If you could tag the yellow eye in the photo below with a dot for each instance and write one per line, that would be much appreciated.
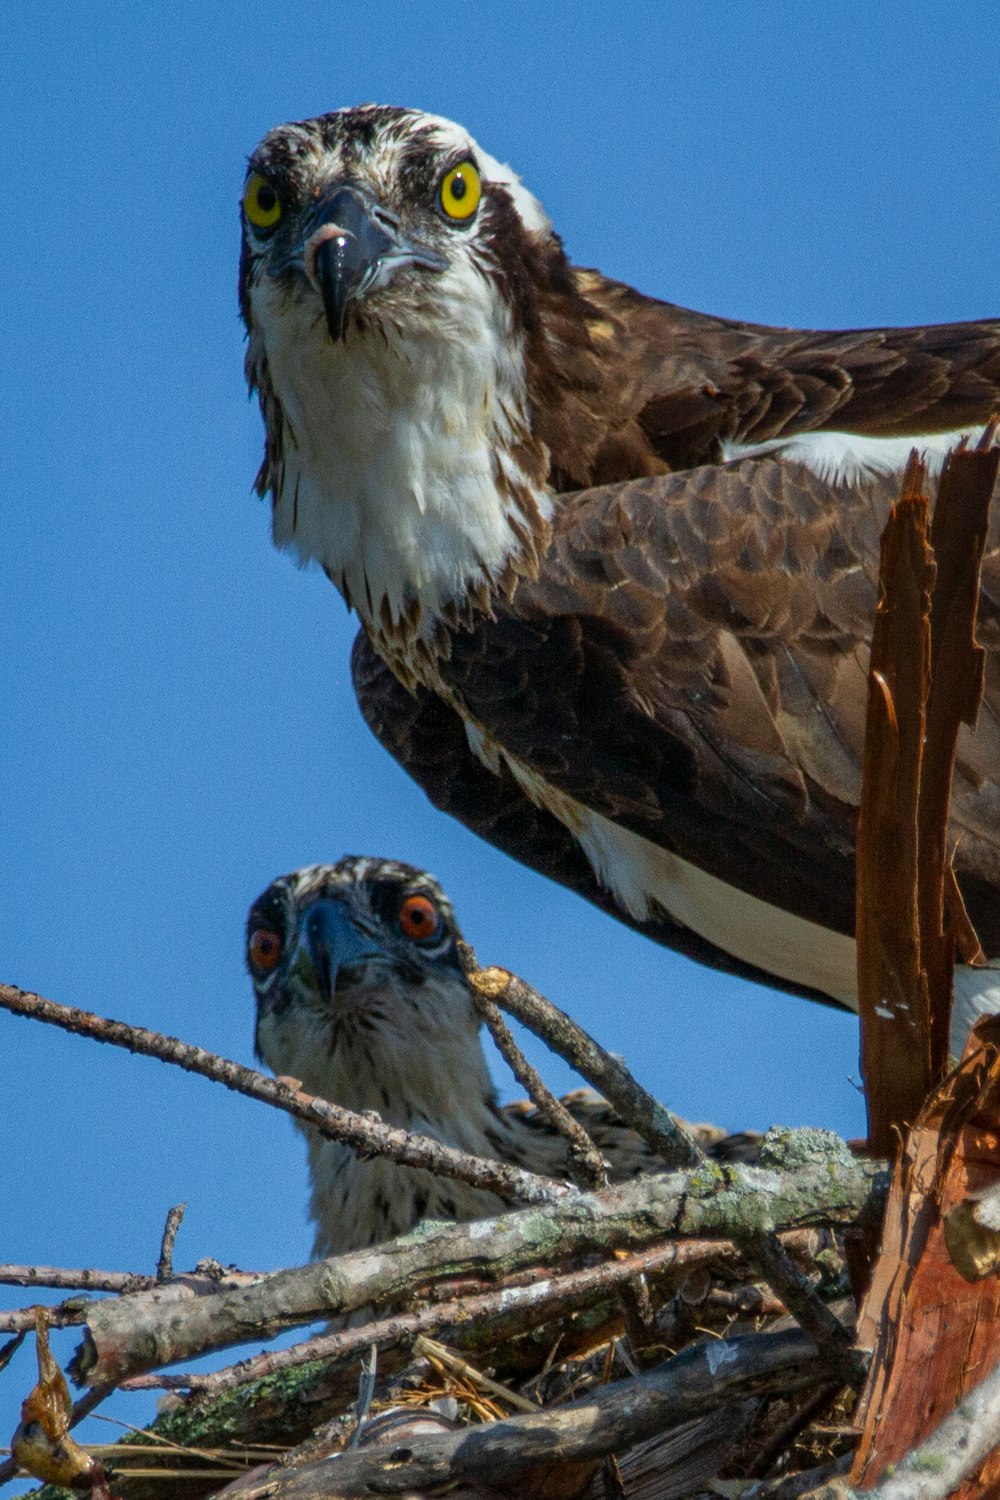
(261, 203)
(460, 191)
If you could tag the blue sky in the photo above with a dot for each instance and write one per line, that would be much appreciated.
(179, 723)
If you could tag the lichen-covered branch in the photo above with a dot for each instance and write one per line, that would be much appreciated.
(824, 1184)
(468, 1321)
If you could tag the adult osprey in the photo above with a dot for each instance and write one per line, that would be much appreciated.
(614, 560)
(361, 996)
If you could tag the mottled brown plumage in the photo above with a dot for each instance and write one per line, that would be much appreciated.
(695, 693)
(652, 688)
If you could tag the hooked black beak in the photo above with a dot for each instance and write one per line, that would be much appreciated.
(351, 249)
(334, 945)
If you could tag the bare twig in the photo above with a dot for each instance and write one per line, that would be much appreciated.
(165, 1264)
(583, 1154)
(8, 1350)
(363, 1133)
(140, 1332)
(610, 1077)
(68, 1314)
(84, 1280)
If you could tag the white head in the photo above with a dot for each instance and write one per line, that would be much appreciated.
(387, 283)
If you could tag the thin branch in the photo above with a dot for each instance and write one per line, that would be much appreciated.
(583, 1154)
(604, 1072)
(808, 1308)
(363, 1133)
(69, 1314)
(144, 1331)
(86, 1279)
(522, 1307)
(165, 1264)
(64, 1279)
(8, 1350)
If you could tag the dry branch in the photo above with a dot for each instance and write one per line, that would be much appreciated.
(165, 1261)
(812, 1314)
(606, 1073)
(468, 1320)
(585, 1161)
(618, 1416)
(827, 1185)
(365, 1134)
(72, 1279)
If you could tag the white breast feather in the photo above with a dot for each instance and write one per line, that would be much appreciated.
(419, 1065)
(390, 445)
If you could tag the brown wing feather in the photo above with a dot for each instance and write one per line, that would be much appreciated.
(691, 664)
(428, 740)
(630, 384)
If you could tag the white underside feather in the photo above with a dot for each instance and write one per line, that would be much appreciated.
(643, 878)
(843, 457)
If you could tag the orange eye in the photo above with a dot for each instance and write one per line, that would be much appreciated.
(264, 949)
(419, 918)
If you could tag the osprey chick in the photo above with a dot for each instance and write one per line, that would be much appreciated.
(614, 560)
(360, 996)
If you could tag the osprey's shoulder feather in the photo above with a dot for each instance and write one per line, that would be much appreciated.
(697, 388)
(701, 685)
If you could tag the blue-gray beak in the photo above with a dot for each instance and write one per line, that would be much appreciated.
(356, 245)
(332, 945)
